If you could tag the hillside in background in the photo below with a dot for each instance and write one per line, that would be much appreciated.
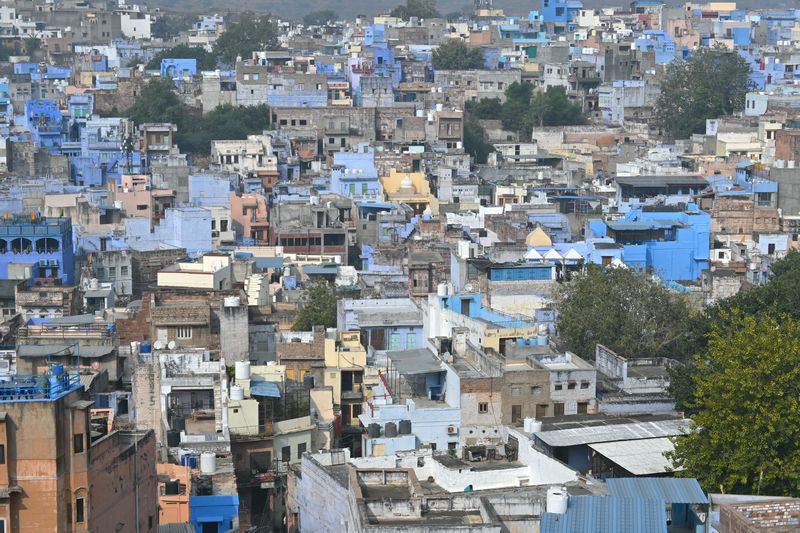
(350, 8)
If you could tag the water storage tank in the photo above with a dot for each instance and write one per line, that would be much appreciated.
(208, 463)
(543, 340)
(173, 438)
(520, 342)
(527, 425)
(57, 369)
(145, 347)
(374, 430)
(231, 301)
(237, 393)
(242, 370)
(557, 499)
(390, 429)
(536, 426)
(441, 289)
(405, 427)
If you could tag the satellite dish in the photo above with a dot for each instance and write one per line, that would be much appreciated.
(158, 345)
(171, 345)
(95, 365)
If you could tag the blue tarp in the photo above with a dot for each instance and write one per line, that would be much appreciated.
(268, 389)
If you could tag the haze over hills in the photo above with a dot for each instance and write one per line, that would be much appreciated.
(350, 8)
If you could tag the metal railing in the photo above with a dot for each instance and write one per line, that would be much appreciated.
(37, 387)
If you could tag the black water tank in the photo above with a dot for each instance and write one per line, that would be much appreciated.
(405, 427)
(179, 423)
(374, 430)
(390, 429)
(173, 438)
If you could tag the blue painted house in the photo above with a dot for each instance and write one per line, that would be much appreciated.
(561, 12)
(43, 119)
(178, 69)
(355, 176)
(660, 42)
(214, 514)
(45, 242)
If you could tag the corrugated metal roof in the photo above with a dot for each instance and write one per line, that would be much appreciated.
(175, 528)
(614, 432)
(639, 457)
(669, 490)
(607, 514)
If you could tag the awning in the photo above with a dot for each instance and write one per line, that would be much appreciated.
(552, 255)
(268, 389)
(533, 255)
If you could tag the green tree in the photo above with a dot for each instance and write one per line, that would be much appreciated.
(318, 308)
(224, 122)
(135, 61)
(252, 33)
(454, 54)
(746, 437)
(553, 108)
(157, 102)
(516, 109)
(32, 45)
(780, 296)
(475, 141)
(205, 59)
(623, 310)
(712, 83)
(319, 18)
(485, 109)
(167, 26)
(424, 9)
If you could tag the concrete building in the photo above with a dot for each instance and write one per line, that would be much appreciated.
(212, 272)
(46, 243)
(61, 477)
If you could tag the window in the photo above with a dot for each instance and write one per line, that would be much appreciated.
(536, 391)
(571, 386)
(483, 407)
(516, 391)
(79, 510)
(301, 449)
(183, 332)
(286, 454)
(2, 454)
(585, 385)
(77, 443)
(123, 270)
(558, 386)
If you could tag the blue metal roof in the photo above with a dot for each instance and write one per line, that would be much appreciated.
(607, 514)
(669, 490)
(269, 389)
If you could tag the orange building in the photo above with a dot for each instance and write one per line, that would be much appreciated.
(174, 487)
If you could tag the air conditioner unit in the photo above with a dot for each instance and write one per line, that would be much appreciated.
(5, 367)
(452, 430)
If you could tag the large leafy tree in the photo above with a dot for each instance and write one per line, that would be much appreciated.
(485, 109)
(454, 54)
(553, 108)
(424, 9)
(624, 310)
(205, 59)
(475, 143)
(746, 436)
(157, 102)
(712, 83)
(516, 109)
(318, 308)
(253, 32)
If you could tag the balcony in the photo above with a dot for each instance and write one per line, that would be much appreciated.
(252, 433)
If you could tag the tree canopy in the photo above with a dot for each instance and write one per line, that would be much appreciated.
(424, 9)
(475, 143)
(157, 102)
(318, 308)
(553, 108)
(624, 310)
(747, 424)
(319, 18)
(712, 83)
(205, 59)
(485, 108)
(454, 54)
(169, 25)
(252, 33)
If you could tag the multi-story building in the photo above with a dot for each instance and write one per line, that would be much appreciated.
(46, 243)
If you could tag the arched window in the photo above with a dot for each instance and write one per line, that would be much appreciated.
(47, 245)
(21, 245)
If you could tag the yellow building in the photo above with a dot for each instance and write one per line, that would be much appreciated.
(411, 188)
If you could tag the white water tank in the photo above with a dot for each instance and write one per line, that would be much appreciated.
(242, 370)
(237, 393)
(441, 289)
(557, 499)
(208, 465)
(536, 426)
(527, 425)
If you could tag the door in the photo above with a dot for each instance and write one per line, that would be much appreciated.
(394, 341)
(378, 450)
(411, 341)
(541, 411)
(516, 413)
(558, 409)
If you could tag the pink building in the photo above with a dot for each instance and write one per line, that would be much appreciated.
(250, 216)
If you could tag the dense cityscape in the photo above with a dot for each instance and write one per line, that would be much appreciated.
(479, 271)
